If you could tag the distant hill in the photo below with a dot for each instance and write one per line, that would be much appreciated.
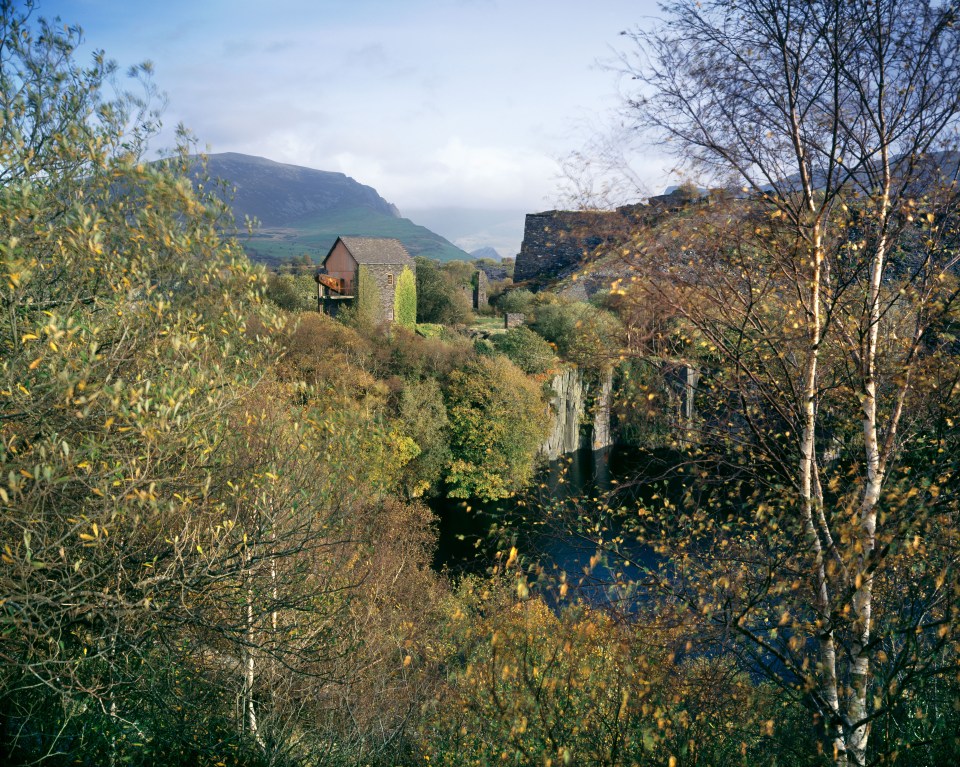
(485, 253)
(302, 210)
(472, 228)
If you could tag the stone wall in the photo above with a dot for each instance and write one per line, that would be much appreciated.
(556, 242)
(578, 421)
(380, 273)
(480, 290)
(567, 408)
(386, 287)
(601, 436)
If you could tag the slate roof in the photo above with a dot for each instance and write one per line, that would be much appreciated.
(376, 250)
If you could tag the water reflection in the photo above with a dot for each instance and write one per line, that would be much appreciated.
(568, 526)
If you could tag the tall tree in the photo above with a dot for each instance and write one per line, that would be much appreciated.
(824, 306)
(173, 522)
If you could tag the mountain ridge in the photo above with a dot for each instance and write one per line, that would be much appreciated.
(301, 210)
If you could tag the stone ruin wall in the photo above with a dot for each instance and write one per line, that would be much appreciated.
(513, 320)
(555, 242)
(580, 418)
(480, 290)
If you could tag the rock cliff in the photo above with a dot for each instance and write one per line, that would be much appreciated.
(581, 413)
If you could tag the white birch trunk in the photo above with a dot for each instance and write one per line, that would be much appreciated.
(249, 664)
(863, 597)
(812, 503)
(249, 675)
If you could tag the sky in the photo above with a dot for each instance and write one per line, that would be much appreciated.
(435, 103)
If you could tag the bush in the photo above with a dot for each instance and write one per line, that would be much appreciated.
(293, 292)
(515, 301)
(429, 329)
(498, 420)
(366, 308)
(572, 685)
(583, 334)
(411, 356)
(439, 299)
(422, 416)
(528, 351)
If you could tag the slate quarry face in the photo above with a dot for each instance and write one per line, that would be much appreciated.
(557, 241)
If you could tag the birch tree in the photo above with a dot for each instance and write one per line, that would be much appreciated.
(822, 297)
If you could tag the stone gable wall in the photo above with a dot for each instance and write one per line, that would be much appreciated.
(380, 274)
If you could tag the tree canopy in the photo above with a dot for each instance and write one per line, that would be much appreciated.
(817, 308)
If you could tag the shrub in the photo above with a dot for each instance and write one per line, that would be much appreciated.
(293, 292)
(528, 351)
(367, 310)
(439, 299)
(497, 419)
(411, 356)
(582, 333)
(422, 416)
(515, 301)
(429, 329)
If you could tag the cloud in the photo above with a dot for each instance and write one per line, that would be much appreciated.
(431, 101)
(486, 176)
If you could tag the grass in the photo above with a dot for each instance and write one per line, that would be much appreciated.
(488, 323)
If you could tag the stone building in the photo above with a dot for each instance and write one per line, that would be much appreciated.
(337, 279)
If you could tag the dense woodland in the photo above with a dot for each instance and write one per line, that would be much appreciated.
(214, 542)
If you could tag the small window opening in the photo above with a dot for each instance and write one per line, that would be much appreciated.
(389, 279)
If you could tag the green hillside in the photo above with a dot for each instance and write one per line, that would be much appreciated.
(303, 210)
(315, 236)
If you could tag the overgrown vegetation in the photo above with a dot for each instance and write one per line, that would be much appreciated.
(366, 311)
(212, 545)
(405, 300)
(528, 351)
(441, 297)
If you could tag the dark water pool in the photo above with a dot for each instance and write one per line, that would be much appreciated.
(564, 525)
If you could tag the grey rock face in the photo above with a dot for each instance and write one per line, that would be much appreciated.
(571, 408)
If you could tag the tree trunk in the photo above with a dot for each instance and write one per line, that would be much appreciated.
(812, 500)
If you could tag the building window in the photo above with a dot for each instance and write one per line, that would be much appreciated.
(389, 279)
